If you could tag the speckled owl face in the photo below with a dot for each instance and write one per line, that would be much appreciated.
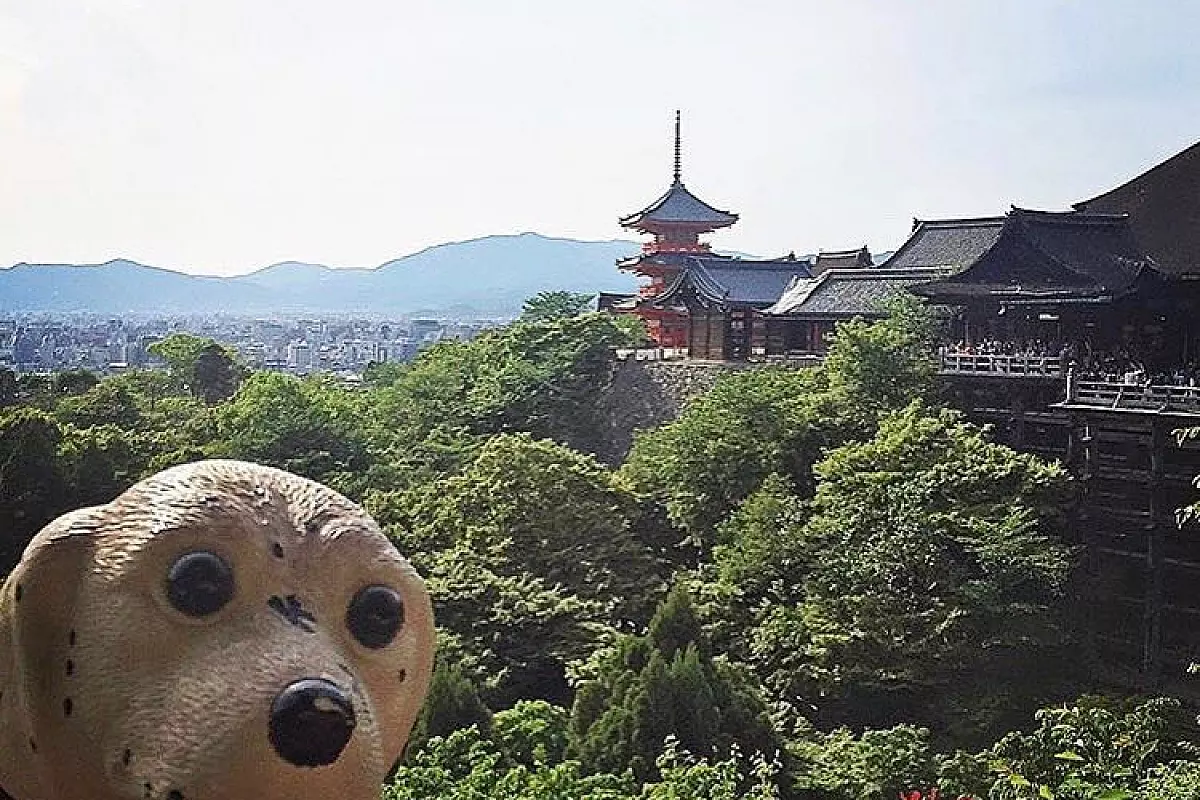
(221, 630)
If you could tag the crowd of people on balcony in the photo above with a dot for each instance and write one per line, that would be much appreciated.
(1116, 365)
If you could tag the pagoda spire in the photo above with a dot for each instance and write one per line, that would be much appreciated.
(678, 149)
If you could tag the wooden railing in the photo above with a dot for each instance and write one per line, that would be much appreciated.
(1135, 396)
(1001, 365)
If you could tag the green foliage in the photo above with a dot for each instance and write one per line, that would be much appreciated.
(32, 490)
(200, 365)
(537, 377)
(685, 777)
(105, 403)
(10, 388)
(515, 633)
(531, 559)
(468, 766)
(725, 443)
(662, 685)
(879, 367)
(1095, 749)
(551, 512)
(548, 306)
(73, 381)
(924, 567)
(532, 732)
(760, 546)
(779, 421)
(1178, 780)
(453, 703)
(307, 426)
(927, 554)
(877, 765)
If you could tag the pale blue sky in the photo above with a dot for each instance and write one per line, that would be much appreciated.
(220, 136)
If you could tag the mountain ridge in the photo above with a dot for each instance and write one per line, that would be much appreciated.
(491, 274)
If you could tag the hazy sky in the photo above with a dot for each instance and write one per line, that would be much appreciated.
(220, 136)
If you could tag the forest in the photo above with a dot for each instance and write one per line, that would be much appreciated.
(815, 583)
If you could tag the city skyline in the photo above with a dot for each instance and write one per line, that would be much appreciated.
(220, 138)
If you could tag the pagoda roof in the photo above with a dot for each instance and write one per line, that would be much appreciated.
(724, 282)
(851, 292)
(681, 209)
(1163, 205)
(1053, 256)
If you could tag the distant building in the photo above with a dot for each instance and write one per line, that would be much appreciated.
(841, 259)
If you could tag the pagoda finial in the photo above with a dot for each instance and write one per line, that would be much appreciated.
(678, 149)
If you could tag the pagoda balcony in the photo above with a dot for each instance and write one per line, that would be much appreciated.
(647, 292)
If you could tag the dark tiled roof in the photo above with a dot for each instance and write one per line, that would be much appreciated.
(946, 243)
(679, 207)
(1164, 207)
(723, 281)
(842, 259)
(853, 292)
(1053, 255)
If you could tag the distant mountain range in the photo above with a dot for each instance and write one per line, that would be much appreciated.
(491, 275)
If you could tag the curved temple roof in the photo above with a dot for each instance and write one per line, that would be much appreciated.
(679, 208)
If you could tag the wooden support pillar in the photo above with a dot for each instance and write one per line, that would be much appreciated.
(1018, 422)
(1160, 517)
(1081, 449)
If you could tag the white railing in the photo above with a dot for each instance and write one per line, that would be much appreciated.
(1001, 365)
(652, 353)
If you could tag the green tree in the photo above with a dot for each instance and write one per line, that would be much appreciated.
(533, 732)
(554, 513)
(308, 426)
(1094, 750)
(516, 634)
(9, 388)
(726, 442)
(548, 306)
(642, 695)
(876, 765)
(452, 703)
(32, 490)
(74, 381)
(106, 403)
(215, 375)
(200, 365)
(535, 377)
(877, 368)
(925, 574)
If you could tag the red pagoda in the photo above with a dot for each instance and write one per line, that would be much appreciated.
(676, 220)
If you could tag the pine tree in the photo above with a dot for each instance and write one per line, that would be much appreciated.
(665, 684)
(453, 703)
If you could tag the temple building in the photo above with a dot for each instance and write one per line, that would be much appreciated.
(802, 321)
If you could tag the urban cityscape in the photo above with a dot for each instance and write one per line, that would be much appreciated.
(344, 346)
